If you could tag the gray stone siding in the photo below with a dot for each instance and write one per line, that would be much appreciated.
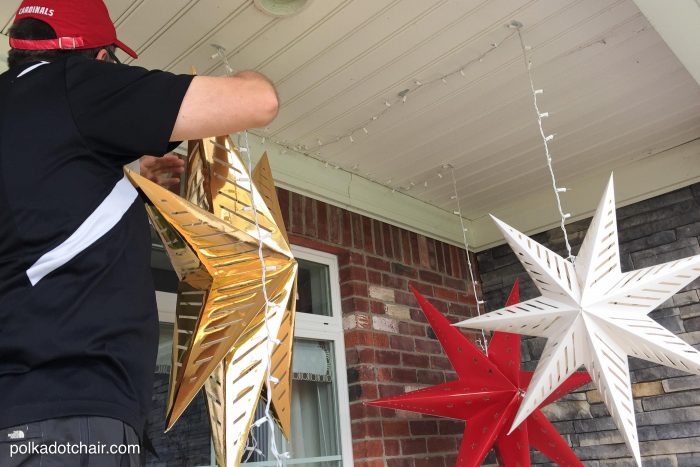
(667, 401)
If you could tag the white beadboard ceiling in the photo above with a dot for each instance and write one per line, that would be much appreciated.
(615, 91)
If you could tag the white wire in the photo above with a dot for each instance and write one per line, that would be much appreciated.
(485, 345)
(545, 141)
(270, 342)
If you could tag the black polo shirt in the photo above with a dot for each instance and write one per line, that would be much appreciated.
(78, 318)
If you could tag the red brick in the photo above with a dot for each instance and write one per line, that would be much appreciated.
(354, 289)
(377, 234)
(402, 343)
(423, 427)
(405, 298)
(405, 247)
(399, 462)
(432, 257)
(424, 289)
(388, 357)
(310, 226)
(370, 463)
(396, 242)
(394, 282)
(283, 198)
(404, 375)
(418, 315)
(352, 357)
(415, 360)
(442, 363)
(402, 270)
(415, 254)
(357, 235)
(446, 260)
(426, 346)
(430, 277)
(430, 377)
(335, 228)
(351, 258)
(374, 277)
(367, 234)
(394, 428)
(455, 284)
(360, 410)
(296, 224)
(442, 444)
(446, 294)
(377, 263)
(392, 447)
(322, 220)
(410, 329)
(386, 241)
(367, 355)
(354, 304)
(346, 228)
(353, 273)
(388, 390)
(439, 257)
(431, 462)
(377, 307)
(366, 429)
(413, 446)
(450, 427)
(367, 448)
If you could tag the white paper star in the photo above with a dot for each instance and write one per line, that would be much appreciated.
(594, 315)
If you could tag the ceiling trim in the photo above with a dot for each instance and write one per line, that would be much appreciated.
(307, 176)
(678, 27)
(643, 178)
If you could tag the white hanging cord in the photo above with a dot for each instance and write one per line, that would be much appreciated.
(458, 213)
(545, 140)
(270, 340)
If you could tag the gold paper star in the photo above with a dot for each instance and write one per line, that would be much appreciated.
(220, 336)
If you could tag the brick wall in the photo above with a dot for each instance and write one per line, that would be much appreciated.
(390, 348)
(667, 401)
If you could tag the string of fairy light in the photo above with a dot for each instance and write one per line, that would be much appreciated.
(356, 133)
(270, 340)
(546, 139)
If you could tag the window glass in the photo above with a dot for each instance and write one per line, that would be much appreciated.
(313, 289)
(314, 426)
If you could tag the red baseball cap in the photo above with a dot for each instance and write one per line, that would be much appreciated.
(79, 24)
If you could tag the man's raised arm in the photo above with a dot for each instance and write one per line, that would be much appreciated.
(223, 105)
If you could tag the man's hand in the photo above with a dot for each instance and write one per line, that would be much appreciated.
(164, 171)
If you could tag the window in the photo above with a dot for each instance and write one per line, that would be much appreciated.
(321, 436)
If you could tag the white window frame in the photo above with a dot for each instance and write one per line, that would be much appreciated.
(307, 326)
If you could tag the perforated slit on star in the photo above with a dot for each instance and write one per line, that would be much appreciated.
(486, 395)
(598, 324)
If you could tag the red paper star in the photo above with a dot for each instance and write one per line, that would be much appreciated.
(487, 395)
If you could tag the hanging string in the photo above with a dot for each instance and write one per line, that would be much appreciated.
(545, 140)
(270, 340)
(458, 213)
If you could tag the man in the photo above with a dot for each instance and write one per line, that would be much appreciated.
(78, 319)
